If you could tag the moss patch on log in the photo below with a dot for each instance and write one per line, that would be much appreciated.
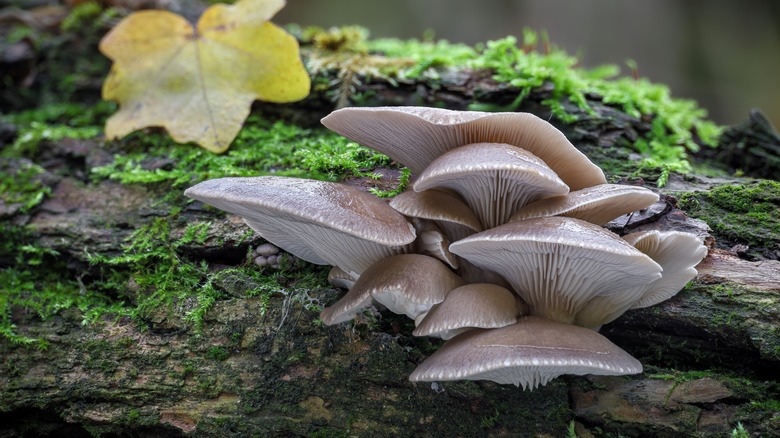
(741, 215)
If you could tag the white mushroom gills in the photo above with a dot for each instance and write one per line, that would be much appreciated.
(558, 265)
(494, 179)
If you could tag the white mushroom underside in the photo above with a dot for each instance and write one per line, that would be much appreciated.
(678, 253)
(557, 265)
(557, 281)
(597, 205)
(350, 253)
(494, 179)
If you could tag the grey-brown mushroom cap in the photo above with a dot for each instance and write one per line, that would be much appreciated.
(415, 136)
(494, 179)
(597, 205)
(528, 353)
(408, 284)
(557, 264)
(475, 305)
(677, 252)
(317, 221)
(445, 209)
(338, 277)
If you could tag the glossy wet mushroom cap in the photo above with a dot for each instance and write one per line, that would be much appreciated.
(528, 354)
(475, 305)
(597, 205)
(317, 221)
(408, 284)
(415, 136)
(448, 211)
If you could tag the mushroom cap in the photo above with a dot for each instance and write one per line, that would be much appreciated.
(317, 221)
(338, 277)
(415, 136)
(597, 205)
(678, 253)
(451, 214)
(495, 179)
(528, 353)
(431, 241)
(408, 284)
(475, 305)
(557, 264)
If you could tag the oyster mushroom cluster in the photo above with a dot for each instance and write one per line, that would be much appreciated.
(498, 248)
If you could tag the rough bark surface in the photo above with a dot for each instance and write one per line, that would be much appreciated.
(258, 368)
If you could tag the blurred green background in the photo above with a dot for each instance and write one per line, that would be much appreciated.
(725, 54)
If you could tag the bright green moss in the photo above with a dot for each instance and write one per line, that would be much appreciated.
(20, 184)
(261, 148)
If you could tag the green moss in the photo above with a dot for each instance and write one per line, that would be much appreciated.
(261, 148)
(745, 214)
(218, 353)
(676, 123)
(54, 122)
(21, 184)
(44, 293)
(84, 14)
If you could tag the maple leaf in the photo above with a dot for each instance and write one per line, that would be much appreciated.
(199, 82)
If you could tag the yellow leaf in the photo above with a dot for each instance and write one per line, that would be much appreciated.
(199, 83)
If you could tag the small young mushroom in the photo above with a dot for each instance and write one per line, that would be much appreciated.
(266, 255)
(528, 354)
(317, 221)
(494, 179)
(597, 205)
(475, 305)
(407, 284)
(415, 136)
(557, 265)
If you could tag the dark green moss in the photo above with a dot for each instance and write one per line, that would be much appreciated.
(218, 353)
(740, 214)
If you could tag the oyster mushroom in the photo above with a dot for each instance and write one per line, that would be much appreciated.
(321, 222)
(597, 205)
(494, 179)
(407, 284)
(676, 252)
(450, 213)
(528, 354)
(475, 305)
(557, 265)
(415, 136)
